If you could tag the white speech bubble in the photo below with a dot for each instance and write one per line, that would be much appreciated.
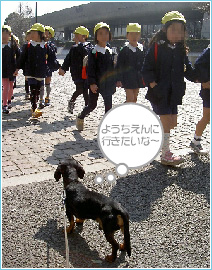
(130, 136)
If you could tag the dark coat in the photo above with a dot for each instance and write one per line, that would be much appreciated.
(10, 53)
(74, 60)
(33, 60)
(52, 62)
(101, 71)
(168, 71)
(202, 72)
(129, 67)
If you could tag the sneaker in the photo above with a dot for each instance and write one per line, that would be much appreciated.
(47, 101)
(9, 106)
(170, 159)
(37, 113)
(41, 105)
(79, 124)
(5, 109)
(27, 96)
(71, 106)
(197, 149)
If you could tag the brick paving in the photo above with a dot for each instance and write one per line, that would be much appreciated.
(32, 148)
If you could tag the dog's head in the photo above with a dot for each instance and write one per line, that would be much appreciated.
(69, 168)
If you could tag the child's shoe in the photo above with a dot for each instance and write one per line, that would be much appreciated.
(41, 105)
(170, 159)
(27, 96)
(9, 105)
(198, 149)
(37, 113)
(47, 101)
(79, 123)
(5, 109)
(70, 106)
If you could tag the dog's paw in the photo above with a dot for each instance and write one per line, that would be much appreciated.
(70, 229)
(110, 258)
(79, 221)
(122, 247)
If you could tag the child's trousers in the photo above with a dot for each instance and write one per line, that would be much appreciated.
(81, 88)
(35, 87)
(7, 90)
(92, 103)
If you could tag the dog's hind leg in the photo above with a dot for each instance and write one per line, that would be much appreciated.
(70, 229)
(120, 223)
(115, 246)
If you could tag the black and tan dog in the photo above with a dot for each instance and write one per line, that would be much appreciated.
(85, 204)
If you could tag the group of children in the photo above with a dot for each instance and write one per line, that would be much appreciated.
(95, 68)
(37, 59)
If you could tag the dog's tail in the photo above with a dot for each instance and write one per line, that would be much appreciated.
(123, 222)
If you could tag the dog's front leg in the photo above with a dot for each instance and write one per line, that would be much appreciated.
(115, 247)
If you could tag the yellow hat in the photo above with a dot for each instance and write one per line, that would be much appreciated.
(173, 16)
(16, 39)
(100, 25)
(134, 27)
(7, 27)
(50, 29)
(38, 27)
(82, 30)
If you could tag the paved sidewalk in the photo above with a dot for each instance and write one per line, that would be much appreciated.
(29, 149)
(169, 208)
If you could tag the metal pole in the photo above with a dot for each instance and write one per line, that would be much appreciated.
(36, 12)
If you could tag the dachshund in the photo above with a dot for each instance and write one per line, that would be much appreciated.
(85, 204)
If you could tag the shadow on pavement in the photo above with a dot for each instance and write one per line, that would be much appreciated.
(137, 192)
(80, 254)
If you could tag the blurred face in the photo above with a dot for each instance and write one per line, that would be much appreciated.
(103, 36)
(175, 32)
(34, 36)
(47, 35)
(133, 38)
(28, 38)
(79, 38)
(5, 37)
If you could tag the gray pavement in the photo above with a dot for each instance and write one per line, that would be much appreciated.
(169, 208)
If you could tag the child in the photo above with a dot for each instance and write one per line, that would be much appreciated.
(17, 45)
(74, 60)
(101, 73)
(53, 65)
(202, 74)
(165, 66)
(10, 52)
(27, 95)
(34, 60)
(129, 63)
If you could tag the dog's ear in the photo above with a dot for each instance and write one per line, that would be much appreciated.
(80, 172)
(79, 168)
(57, 174)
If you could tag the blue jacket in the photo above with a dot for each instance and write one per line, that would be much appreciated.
(52, 62)
(10, 53)
(168, 71)
(33, 59)
(129, 66)
(202, 66)
(202, 71)
(101, 70)
(74, 60)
